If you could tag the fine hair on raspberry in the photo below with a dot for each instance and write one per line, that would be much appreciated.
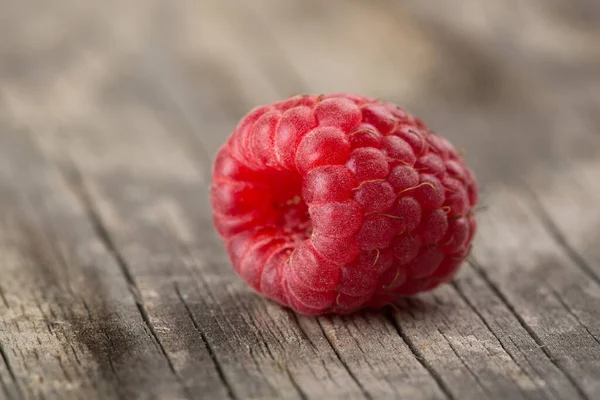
(334, 203)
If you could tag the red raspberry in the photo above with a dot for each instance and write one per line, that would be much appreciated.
(335, 203)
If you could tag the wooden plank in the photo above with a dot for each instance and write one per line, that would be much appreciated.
(531, 274)
(71, 327)
(497, 332)
(260, 349)
(565, 203)
(551, 378)
(545, 282)
(91, 329)
(473, 316)
(514, 336)
(270, 376)
(173, 315)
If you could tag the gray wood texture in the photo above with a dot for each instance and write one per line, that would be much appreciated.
(113, 284)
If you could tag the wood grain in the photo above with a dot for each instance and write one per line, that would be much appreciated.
(114, 284)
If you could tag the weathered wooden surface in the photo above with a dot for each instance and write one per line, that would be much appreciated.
(114, 285)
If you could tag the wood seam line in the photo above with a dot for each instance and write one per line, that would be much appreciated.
(488, 326)
(570, 311)
(11, 372)
(209, 348)
(419, 356)
(462, 361)
(481, 272)
(75, 182)
(557, 235)
(344, 364)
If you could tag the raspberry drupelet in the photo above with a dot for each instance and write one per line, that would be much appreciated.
(330, 204)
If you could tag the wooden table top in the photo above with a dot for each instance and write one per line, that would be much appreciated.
(113, 284)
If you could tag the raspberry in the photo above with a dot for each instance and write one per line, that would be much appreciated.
(330, 204)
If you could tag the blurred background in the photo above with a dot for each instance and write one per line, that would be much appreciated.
(113, 283)
(513, 82)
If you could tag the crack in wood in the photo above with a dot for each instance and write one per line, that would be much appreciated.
(62, 367)
(492, 331)
(464, 363)
(483, 275)
(295, 384)
(209, 347)
(571, 312)
(3, 297)
(343, 362)
(11, 371)
(75, 180)
(205, 288)
(557, 235)
(419, 355)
